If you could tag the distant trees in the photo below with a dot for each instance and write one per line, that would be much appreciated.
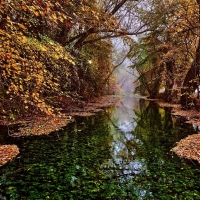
(167, 51)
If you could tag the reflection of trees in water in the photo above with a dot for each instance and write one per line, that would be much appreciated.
(141, 158)
(155, 122)
(150, 117)
(123, 165)
(93, 159)
(125, 114)
(159, 132)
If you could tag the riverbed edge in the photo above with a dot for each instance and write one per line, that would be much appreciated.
(93, 107)
(188, 147)
(49, 124)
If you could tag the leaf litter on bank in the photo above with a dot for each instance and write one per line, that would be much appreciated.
(7, 153)
(189, 147)
(44, 125)
(41, 125)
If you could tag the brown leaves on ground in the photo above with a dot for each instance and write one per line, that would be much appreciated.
(171, 105)
(191, 116)
(41, 125)
(189, 147)
(94, 105)
(7, 153)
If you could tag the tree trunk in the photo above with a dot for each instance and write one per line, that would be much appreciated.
(79, 42)
(62, 36)
(82, 36)
(191, 81)
(169, 81)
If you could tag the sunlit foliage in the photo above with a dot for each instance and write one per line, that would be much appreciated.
(39, 57)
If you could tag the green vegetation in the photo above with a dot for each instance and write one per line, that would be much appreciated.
(87, 160)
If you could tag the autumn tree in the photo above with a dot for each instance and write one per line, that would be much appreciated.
(34, 66)
(191, 81)
(171, 42)
(63, 48)
(49, 49)
(148, 55)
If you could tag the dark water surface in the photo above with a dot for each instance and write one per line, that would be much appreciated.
(122, 153)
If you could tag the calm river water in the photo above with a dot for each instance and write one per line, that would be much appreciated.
(121, 153)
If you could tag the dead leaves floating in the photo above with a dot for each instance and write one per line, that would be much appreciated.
(42, 125)
(189, 147)
(7, 153)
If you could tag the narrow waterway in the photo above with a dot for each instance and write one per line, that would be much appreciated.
(121, 153)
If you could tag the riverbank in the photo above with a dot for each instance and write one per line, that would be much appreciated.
(189, 147)
(44, 125)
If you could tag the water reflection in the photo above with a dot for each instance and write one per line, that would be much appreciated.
(125, 113)
(124, 145)
(141, 148)
(120, 154)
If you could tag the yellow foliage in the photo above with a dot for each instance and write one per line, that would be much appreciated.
(26, 74)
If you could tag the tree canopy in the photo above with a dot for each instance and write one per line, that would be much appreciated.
(170, 48)
(55, 48)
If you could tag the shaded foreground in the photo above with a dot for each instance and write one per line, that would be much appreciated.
(117, 154)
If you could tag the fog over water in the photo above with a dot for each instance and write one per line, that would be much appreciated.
(125, 76)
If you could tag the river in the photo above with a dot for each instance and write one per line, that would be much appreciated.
(121, 153)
